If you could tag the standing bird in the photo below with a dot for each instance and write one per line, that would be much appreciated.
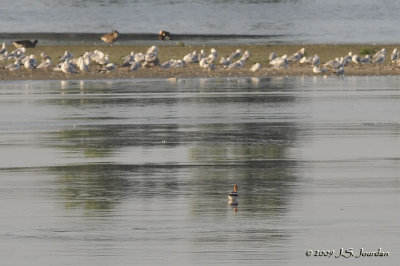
(164, 36)
(25, 43)
(233, 196)
(110, 37)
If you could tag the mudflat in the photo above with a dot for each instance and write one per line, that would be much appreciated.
(259, 54)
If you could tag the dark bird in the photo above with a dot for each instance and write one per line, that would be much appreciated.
(164, 35)
(233, 196)
(25, 43)
(110, 37)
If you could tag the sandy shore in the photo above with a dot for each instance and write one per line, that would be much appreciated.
(259, 53)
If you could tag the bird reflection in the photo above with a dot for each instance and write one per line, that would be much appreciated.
(234, 205)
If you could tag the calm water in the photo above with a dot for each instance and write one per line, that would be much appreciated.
(137, 171)
(310, 21)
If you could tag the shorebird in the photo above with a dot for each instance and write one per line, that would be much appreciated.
(127, 60)
(14, 66)
(233, 196)
(3, 49)
(255, 67)
(225, 61)
(297, 56)
(318, 70)
(394, 56)
(30, 63)
(46, 62)
(134, 66)
(236, 54)
(67, 67)
(108, 68)
(272, 56)
(279, 62)
(164, 35)
(67, 55)
(25, 43)
(110, 37)
(212, 56)
(366, 59)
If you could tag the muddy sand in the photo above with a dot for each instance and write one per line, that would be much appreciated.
(259, 53)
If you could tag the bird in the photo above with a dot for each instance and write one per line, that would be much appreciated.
(25, 44)
(14, 66)
(164, 35)
(255, 67)
(318, 70)
(30, 63)
(110, 37)
(272, 56)
(296, 56)
(108, 68)
(233, 196)
(395, 55)
(3, 49)
(134, 66)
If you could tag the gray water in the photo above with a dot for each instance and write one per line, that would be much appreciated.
(293, 21)
(137, 172)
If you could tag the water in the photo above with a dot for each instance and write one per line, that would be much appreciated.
(138, 171)
(291, 21)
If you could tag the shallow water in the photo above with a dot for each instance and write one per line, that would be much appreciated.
(111, 172)
(298, 21)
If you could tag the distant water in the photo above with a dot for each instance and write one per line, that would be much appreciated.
(309, 21)
(124, 172)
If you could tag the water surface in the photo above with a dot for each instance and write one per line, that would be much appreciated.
(111, 172)
(294, 21)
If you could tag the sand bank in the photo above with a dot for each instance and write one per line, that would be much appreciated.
(259, 53)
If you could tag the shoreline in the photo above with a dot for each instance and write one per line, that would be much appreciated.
(259, 53)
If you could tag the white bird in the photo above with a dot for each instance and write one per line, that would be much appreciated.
(279, 62)
(139, 57)
(366, 59)
(315, 60)
(67, 67)
(237, 64)
(297, 56)
(236, 54)
(191, 57)
(212, 56)
(134, 66)
(379, 59)
(4, 56)
(225, 61)
(318, 70)
(339, 71)
(104, 60)
(255, 67)
(166, 64)
(380, 53)
(14, 66)
(356, 59)
(272, 56)
(67, 55)
(348, 58)
(127, 60)
(246, 55)
(204, 64)
(395, 55)
(45, 64)
(30, 63)
(108, 68)
(3, 49)
(83, 64)
(97, 55)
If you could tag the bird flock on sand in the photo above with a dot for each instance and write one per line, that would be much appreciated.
(134, 61)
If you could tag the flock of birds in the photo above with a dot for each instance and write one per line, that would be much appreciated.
(335, 65)
(236, 60)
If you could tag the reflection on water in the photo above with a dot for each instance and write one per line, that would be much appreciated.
(101, 172)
